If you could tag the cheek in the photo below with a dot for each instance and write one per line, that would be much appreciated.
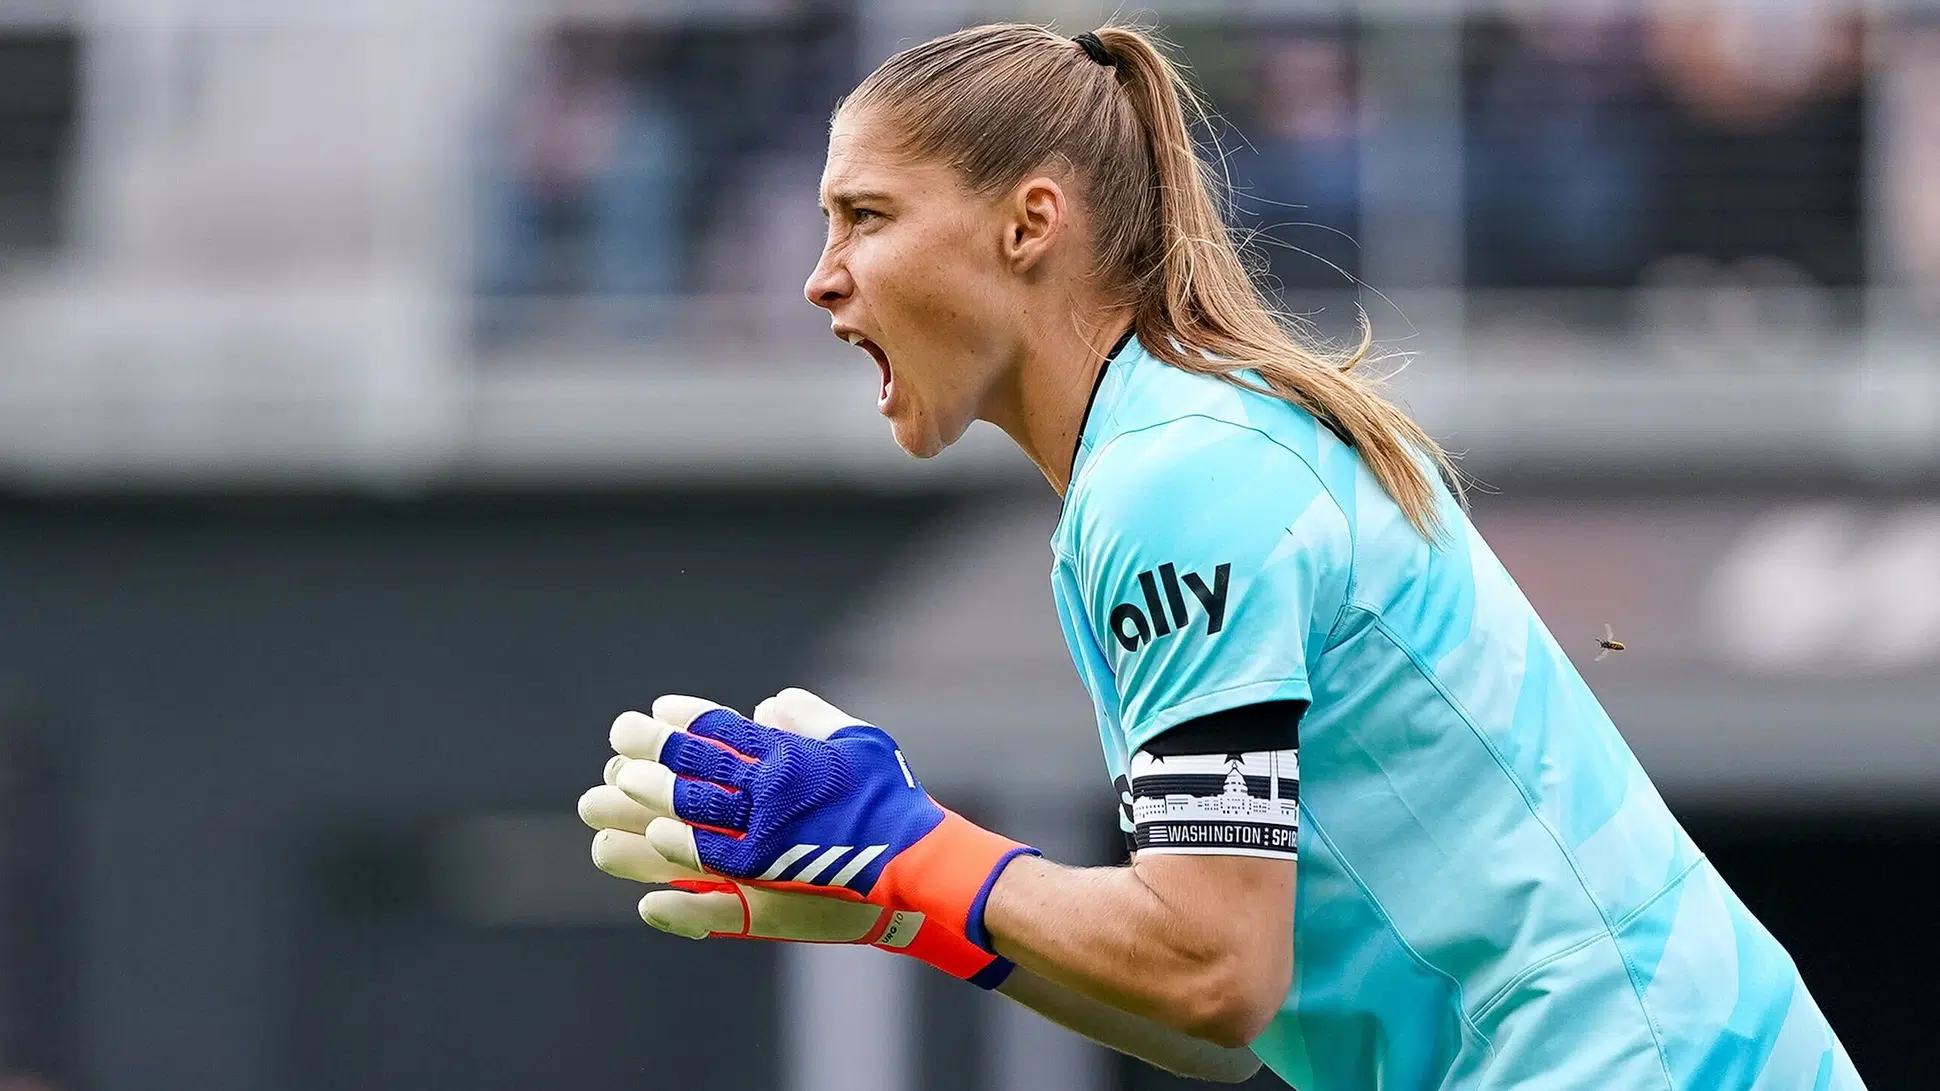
(892, 277)
(939, 296)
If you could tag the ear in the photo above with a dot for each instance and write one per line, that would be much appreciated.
(1037, 214)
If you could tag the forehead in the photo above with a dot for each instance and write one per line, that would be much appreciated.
(863, 158)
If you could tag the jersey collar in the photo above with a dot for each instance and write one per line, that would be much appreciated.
(1083, 446)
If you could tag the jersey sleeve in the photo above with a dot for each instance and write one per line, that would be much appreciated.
(1213, 562)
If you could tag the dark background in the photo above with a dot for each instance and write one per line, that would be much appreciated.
(234, 722)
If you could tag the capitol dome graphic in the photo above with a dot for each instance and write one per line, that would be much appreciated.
(1235, 799)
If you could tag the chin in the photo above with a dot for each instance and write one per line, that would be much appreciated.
(922, 437)
(921, 443)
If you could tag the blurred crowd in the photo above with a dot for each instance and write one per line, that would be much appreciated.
(627, 164)
(1602, 151)
(615, 166)
(1608, 148)
(1598, 147)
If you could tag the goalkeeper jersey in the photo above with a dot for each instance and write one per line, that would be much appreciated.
(1491, 893)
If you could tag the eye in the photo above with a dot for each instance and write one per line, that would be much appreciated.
(864, 215)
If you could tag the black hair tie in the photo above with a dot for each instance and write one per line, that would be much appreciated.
(1095, 49)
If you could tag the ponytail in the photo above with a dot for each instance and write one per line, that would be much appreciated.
(1202, 312)
(998, 101)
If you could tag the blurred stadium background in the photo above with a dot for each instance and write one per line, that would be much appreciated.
(392, 392)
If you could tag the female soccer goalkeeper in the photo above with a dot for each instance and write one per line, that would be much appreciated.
(1384, 835)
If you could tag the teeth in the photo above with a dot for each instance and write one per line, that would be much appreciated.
(855, 339)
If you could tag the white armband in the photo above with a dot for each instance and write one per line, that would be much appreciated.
(1217, 804)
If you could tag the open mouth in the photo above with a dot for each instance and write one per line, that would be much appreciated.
(882, 363)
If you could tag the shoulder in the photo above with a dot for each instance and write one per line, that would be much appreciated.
(1190, 451)
(1187, 464)
(1206, 498)
(1154, 394)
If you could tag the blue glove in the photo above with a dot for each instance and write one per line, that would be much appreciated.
(827, 806)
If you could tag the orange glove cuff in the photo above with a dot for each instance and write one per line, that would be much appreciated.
(948, 875)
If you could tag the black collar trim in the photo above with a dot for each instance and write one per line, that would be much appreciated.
(1097, 385)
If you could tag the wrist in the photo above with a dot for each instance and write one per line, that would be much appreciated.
(947, 875)
(910, 933)
(975, 928)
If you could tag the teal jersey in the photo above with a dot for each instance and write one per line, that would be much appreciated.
(1491, 893)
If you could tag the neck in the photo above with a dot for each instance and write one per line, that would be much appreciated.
(1042, 407)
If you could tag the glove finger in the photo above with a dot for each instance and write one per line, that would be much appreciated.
(704, 759)
(803, 713)
(681, 711)
(655, 787)
(649, 783)
(705, 908)
(726, 726)
(612, 769)
(608, 808)
(705, 804)
(810, 918)
(678, 843)
(696, 915)
(638, 735)
(629, 856)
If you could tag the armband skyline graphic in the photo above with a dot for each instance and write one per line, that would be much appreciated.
(1214, 804)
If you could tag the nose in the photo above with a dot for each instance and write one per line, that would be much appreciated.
(830, 283)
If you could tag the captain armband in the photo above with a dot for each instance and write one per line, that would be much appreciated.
(1235, 804)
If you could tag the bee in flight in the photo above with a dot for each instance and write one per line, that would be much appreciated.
(1609, 643)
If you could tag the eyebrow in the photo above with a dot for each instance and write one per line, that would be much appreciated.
(850, 197)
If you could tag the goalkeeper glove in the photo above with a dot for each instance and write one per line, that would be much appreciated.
(828, 806)
(700, 905)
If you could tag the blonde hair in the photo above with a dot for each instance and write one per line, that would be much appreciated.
(996, 102)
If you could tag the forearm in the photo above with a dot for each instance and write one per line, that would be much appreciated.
(1157, 1045)
(1101, 931)
(1128, 938)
